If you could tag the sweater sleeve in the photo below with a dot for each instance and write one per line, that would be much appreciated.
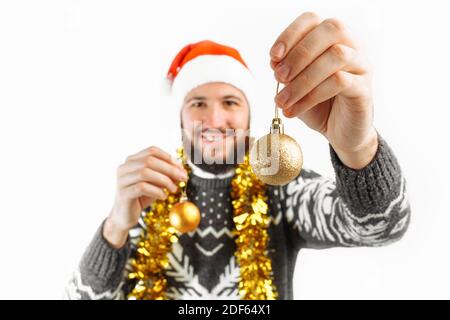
(100, 272)
(366, 207)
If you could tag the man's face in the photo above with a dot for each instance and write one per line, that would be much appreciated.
(215, 120)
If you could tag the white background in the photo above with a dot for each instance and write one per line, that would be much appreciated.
(80, 89)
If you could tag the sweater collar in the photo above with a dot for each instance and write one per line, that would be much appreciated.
(203, 179)
(197, 171)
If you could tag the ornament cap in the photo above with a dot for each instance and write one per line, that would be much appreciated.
(277, 126)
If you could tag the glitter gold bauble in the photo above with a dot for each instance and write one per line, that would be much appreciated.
(184, 216)
(276, 158)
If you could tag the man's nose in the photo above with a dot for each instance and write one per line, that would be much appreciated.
(215, 117)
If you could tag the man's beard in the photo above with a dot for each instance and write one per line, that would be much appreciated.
(216, 167)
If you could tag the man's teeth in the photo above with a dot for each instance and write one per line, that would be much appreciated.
(213, 138)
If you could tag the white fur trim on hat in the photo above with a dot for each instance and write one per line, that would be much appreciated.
(212, 68)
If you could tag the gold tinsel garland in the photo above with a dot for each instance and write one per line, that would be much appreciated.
(251, 219)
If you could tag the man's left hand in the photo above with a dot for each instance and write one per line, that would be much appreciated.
(327, 85)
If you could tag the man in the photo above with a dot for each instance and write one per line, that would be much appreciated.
(327, 86)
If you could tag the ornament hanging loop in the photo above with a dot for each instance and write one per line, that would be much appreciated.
(277, 125)
(276, 93)
(183, 185)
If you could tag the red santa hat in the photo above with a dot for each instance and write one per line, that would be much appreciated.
(205, 62)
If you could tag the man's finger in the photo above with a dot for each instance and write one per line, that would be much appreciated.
(144, 189)
(150, 176)
(293, 34)
(139, 154)
(334, 59)
(273, 64)
(309, 48)
(329, 88)
(156, 152)
(176, 173)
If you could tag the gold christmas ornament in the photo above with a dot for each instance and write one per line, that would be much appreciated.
(184, 216)
(276, 158)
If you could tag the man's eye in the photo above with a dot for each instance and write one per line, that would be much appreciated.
(230, 103)
(198, 104)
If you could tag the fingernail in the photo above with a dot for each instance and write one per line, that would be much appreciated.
(283, 97)
(283, 71)
(278, 50)
(287, 112)
(273, 64)
(183, 175)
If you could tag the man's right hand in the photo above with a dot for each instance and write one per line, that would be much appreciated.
(140, 181)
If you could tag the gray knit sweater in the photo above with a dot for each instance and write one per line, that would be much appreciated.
(366, 207)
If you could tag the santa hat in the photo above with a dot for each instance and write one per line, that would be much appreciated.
(205, 62)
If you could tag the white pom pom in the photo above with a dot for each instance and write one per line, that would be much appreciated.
(166, 87)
